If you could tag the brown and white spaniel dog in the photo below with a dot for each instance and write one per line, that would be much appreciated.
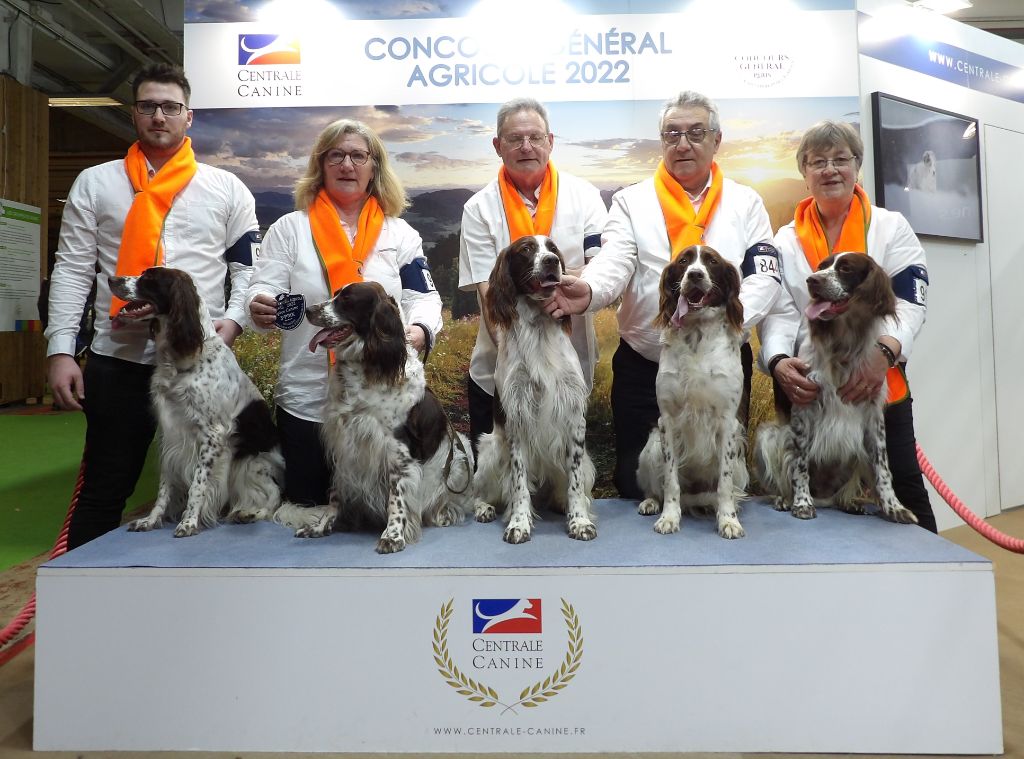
(695, 456)
(537, 449)
(398, 464)
(218, 443)
(828, 450)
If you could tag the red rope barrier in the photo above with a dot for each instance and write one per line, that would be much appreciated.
(1001, 539)
(28, 612)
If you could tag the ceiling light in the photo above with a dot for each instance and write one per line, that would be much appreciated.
(942, 6)
(74, 101)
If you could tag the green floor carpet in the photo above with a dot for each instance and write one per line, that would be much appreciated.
(40, 454)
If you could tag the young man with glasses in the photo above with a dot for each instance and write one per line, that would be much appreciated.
(155, 207)
(529, 196)
(686, 202)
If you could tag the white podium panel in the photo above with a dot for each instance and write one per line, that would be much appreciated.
(635, 642)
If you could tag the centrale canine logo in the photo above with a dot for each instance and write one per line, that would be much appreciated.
(267, 50)
(502, 612)
(499, 616)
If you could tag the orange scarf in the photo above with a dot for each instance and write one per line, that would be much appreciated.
(338, 259)
(853, 238)
(520, 223)
(685, 228)
(141, 246)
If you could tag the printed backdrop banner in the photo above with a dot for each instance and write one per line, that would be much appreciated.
(428, 78)
(469, 59)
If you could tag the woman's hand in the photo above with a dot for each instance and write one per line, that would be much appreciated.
(867, 380)
(416, 337)
(791, 374)
(263, 311)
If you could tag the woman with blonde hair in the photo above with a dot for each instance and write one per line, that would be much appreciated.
(346, 229)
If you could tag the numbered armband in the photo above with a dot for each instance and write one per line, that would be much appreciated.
(911, 285)
(591, 246)
(416, 276)
(246, 249)
(762, 258)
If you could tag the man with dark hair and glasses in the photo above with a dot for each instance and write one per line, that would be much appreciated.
(686, 202)
(156, 207)
(529, 196)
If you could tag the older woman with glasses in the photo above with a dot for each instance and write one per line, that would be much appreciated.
(346, 229)
(838, 217)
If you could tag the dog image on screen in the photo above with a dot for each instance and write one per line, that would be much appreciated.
(923, 174)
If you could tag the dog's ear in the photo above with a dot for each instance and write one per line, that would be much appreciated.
(184, 328)
(500, 301)
(731, 291)
(877, 290)
(670, 291)
(385, 350)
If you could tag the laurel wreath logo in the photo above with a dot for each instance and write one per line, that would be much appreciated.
(532, 695)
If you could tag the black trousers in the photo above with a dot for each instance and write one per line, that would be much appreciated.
(481, 412)
(901, 448)
(907, 480)
(307, 473)
(635, 410)
(120, 425)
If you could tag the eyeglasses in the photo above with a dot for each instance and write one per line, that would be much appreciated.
(694, 135)
(820, 164)
(337, 157)
(148, 108)
(518, 140)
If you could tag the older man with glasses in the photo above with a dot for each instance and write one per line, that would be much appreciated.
(686, 202)
(156, 207)
(529, 196)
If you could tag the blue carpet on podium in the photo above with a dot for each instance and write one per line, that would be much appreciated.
(625, 540)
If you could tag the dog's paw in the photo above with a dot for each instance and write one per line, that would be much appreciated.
(320, 528)
(804, 511)
(186, 529)
(851, 508)
(666, 525)
(901, 515)
(390, 544)
(446, 516)
(516, 535)
(313, 531)
(582, 529)
(248, 516)
(142, 525)
(648, 506)
(779, 504)
(730, 528)
(484, 512)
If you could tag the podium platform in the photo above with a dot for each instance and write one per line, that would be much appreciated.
(844, 634)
